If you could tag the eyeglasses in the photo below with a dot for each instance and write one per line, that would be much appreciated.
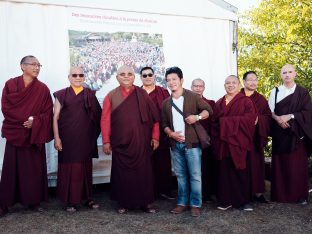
(34, 64)
(198, 86)
(147, 75)
(126, 74)
(76, 75)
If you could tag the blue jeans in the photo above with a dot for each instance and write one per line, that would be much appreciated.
(187, 167)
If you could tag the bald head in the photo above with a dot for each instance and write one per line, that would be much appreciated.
(198, 80)
(288, 67)
(76, 76)
(75, 70)
(198, 86)
(232, 85)
(288, 74)
(232, 77)
(125, 68)
(125, 76)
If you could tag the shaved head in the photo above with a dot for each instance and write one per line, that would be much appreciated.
(231, 77)
(75, 69)
(198, 80)
(288, 67)
(125, 68)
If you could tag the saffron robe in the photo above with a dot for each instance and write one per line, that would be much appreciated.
(132, 119)
(161, 156)
(79, 128)
(290, 148)
(260, 140)
(232, 132)
(24, 173)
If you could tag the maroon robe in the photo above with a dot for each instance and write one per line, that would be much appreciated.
(209, 164)
(161, 156)
(79, 128)
(260, 140)
(24, 173)
(289, 148)
(232, 132)
(131, 133)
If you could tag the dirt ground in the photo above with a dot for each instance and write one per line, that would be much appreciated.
(266, 218)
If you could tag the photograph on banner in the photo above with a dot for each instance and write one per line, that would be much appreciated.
(108, 41)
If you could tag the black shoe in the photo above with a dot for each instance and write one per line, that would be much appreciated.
(247, 207)
(208, 199)
(3, 211)
(302, 202)
(167, 196)
(260, 199)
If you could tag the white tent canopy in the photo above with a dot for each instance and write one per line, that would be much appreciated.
(197, 35)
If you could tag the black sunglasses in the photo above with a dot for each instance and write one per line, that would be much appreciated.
(147, 75)
(75, 75)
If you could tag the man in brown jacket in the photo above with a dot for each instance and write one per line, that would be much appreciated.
(179, 114)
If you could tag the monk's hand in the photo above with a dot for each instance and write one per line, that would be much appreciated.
(177, 136)
(154, 144)
(107, 148)
(282, 121)
(285, 118)
(29, 122)
(191, 119)
(58, 144)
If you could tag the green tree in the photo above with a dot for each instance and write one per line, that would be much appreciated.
(276, 33)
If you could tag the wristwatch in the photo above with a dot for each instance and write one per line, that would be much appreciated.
(199, 117)
(292, 116)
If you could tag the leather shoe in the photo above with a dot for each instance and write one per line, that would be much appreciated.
(178, 209)
(3, 211)
(260, 199)
(195, 211)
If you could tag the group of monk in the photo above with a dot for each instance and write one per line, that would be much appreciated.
(216, 149)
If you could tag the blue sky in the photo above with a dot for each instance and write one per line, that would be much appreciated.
(243, 5)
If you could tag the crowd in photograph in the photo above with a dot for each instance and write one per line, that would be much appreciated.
(100, 59)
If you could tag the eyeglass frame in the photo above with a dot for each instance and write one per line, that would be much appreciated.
(147, 75)
(76, 75)
(34, 64)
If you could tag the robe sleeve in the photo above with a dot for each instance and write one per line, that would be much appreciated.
(156, 132)
(106, 120)
(41, 131)
(202, 105)
(264, 123)
(303, 118)
(239, 130)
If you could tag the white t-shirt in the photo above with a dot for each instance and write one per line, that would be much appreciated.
(177, 118)
(283, 92)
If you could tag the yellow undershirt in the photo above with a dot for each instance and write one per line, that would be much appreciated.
(77, 90)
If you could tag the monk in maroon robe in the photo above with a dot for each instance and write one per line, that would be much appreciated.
(232, 134)
(130, 130)
(76, 126)
(209, 164)
(161, 156)
(260, 140)
(291, 139)
(27, 126)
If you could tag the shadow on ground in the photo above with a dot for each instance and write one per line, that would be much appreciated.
(266, 218)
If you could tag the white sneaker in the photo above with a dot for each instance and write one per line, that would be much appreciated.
(224, 207)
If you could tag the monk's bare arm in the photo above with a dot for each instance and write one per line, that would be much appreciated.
(56, 116)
